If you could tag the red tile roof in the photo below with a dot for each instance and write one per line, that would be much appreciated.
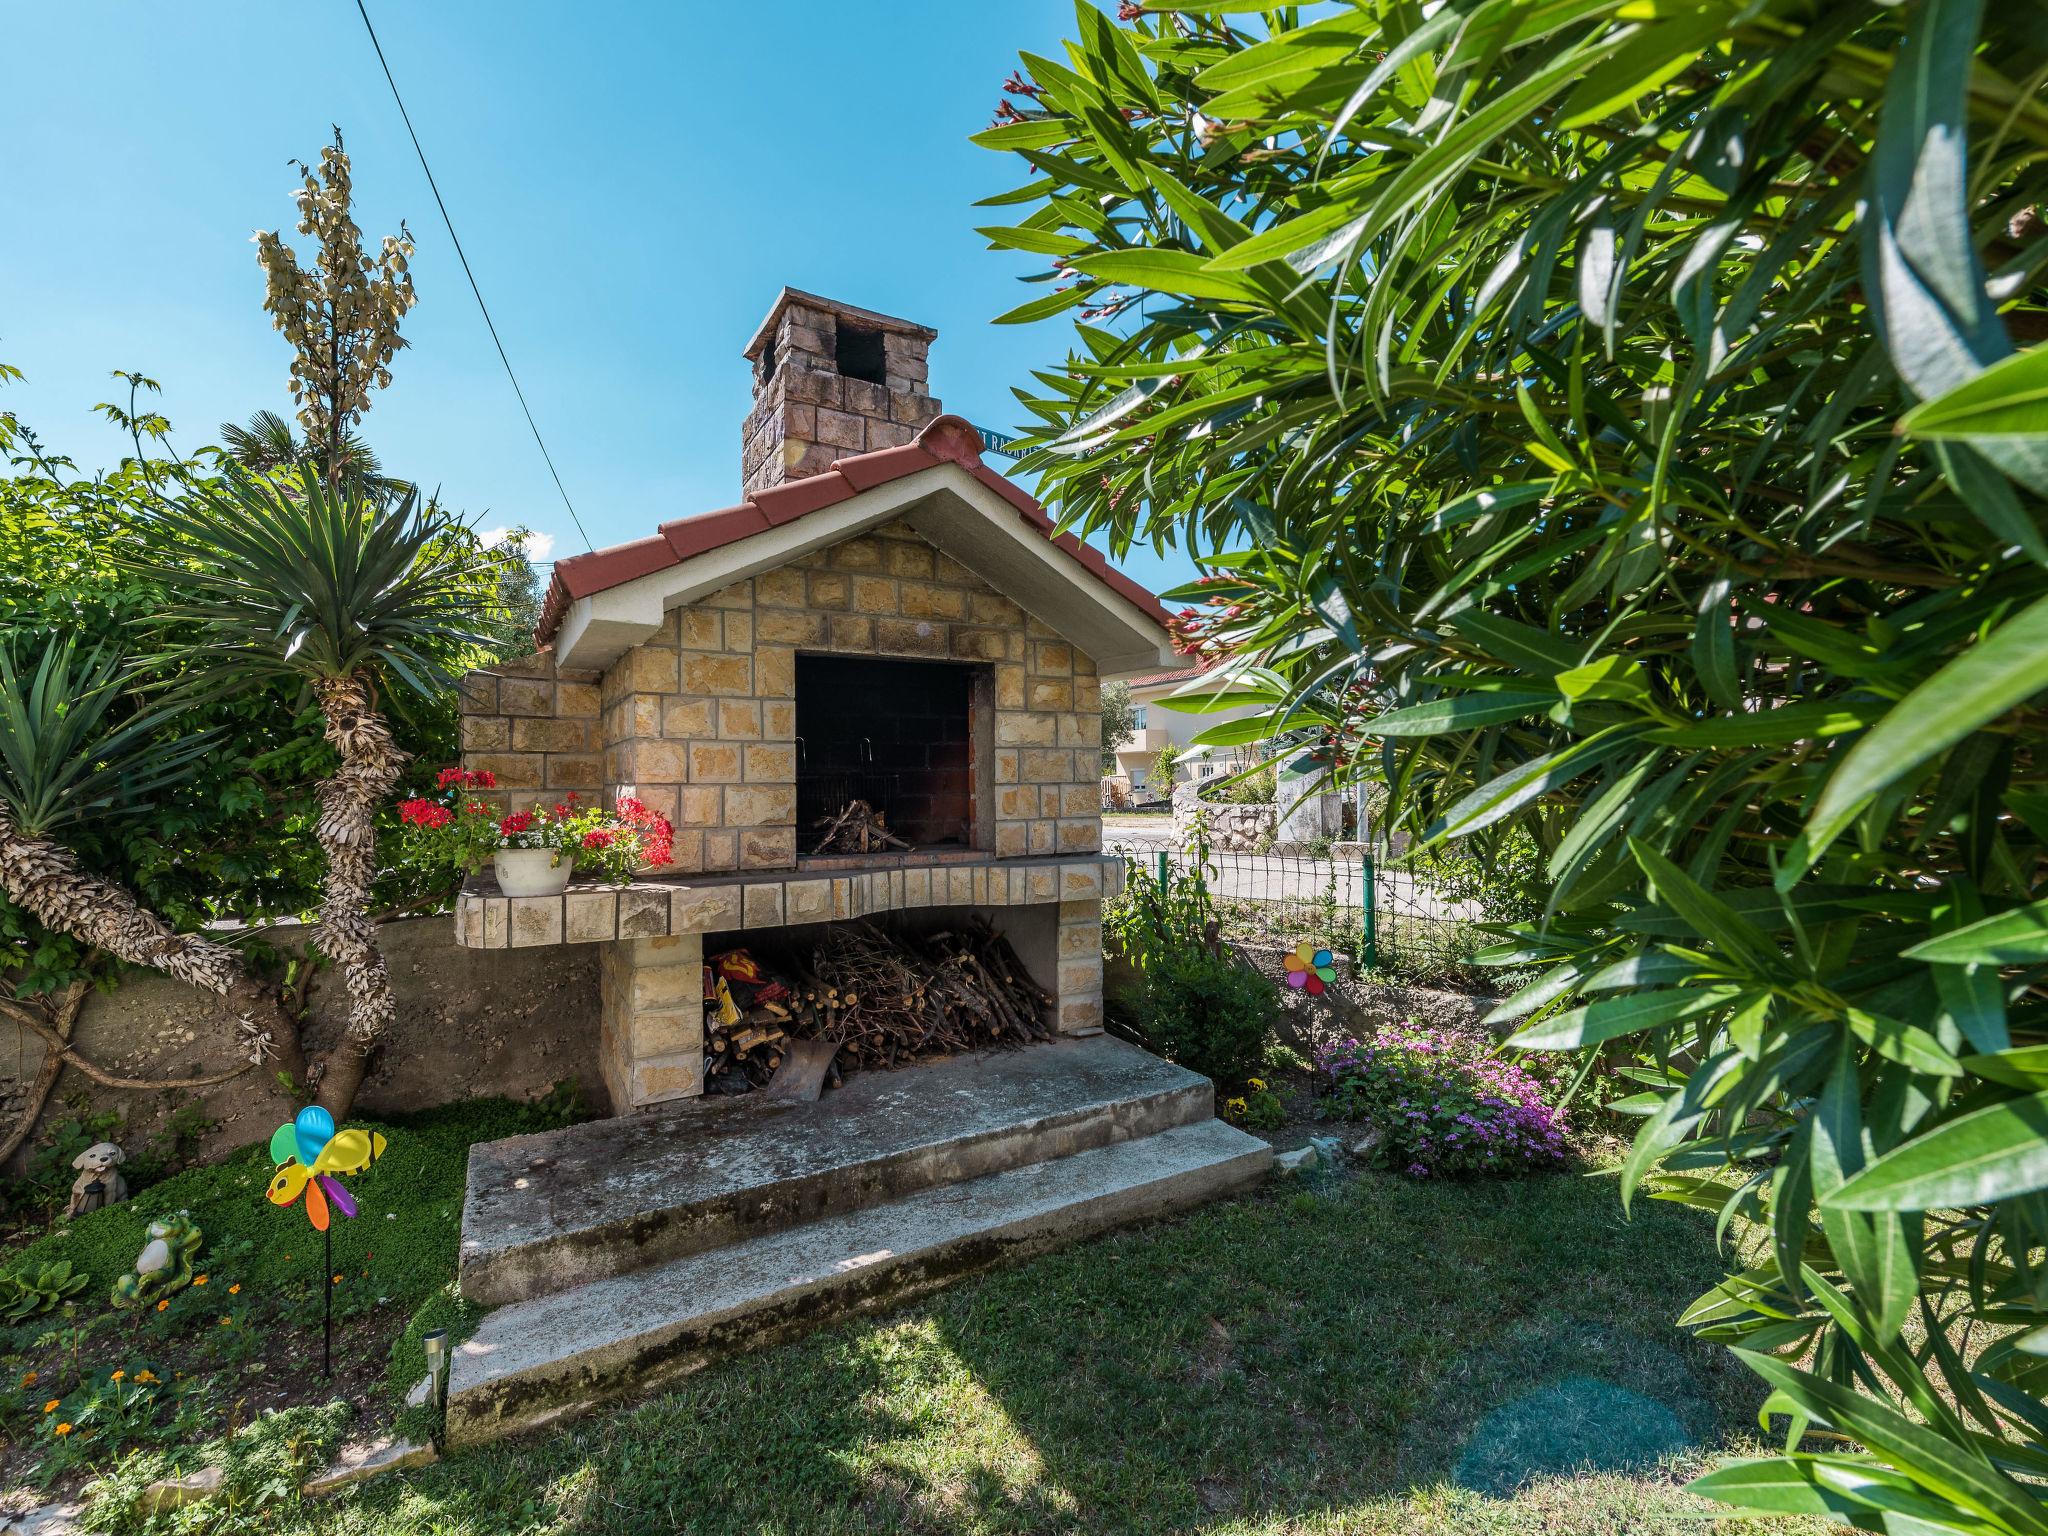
(1172, 675)
(948, 440)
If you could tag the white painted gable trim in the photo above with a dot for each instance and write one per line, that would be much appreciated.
(949, 508)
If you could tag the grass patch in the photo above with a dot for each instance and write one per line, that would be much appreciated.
(1360, 1355)
(246, 1339)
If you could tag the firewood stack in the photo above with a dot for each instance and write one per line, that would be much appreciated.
(858, 828)
(887, 1000)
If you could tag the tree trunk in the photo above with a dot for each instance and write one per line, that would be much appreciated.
(45, 879)
(349, 798)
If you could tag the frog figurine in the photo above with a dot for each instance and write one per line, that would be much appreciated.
(165, 1264)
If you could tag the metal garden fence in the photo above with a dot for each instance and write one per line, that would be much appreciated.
(1390, 920)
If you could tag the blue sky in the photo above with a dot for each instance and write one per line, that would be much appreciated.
(632, 183)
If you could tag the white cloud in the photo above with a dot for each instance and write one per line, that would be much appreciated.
(539, 546)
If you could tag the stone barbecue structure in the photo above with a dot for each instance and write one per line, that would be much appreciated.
(884, 618)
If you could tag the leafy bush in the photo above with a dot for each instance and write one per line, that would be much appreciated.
(33, 1290)
(1209, 1013)
(1162, 912)
(1613, 422)
(1440, 1103)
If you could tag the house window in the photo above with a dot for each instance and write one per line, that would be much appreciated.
(1137, 778)
(1138, 718)
(1206, 770)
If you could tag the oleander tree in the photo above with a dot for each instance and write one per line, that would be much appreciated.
(1626, 427)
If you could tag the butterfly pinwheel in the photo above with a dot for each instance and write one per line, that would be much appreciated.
(309, 1153)
(1310, 969)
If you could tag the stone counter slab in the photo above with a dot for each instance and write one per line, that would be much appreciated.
(652, 909)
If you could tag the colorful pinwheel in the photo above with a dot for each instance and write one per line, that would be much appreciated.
(1310, 969)
(309, 1153)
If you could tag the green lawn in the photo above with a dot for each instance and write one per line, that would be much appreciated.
(1366, 1355)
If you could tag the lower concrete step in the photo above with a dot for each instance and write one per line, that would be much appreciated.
(562, 1208)
(538, 1360)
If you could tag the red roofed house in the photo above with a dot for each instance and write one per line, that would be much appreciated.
(883, 617)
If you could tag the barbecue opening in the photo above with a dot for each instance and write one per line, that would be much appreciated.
(887, 758)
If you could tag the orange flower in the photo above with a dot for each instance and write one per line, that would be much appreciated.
(51, 1405)
(63, 1429)
(30, 1379)
(145, 1377)
(337, 1279)
(199, 1279)
(227, 1322)
(160, 1306)
(117, 1376)
(235, 1289)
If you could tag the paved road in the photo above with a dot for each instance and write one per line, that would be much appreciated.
(1285, 877)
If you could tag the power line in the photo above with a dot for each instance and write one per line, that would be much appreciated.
(464, 259)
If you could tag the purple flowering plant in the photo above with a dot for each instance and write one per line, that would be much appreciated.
(1441, 1103)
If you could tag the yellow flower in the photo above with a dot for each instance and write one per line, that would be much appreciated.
(145, 1377)
(235, 1289)
(51, 1405)
(160, 1306)
(227, 1322)
(1258, 1084)
(63, 1429)
(118, 1376)
(199, 1279)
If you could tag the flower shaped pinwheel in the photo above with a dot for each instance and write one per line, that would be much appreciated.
(1312, 970)
(309, 1153)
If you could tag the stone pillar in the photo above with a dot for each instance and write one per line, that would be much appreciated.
(1080, 971)
(651, 1040)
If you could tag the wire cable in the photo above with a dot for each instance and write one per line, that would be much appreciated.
(464, 259)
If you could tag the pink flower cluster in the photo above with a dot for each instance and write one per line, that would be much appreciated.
(1442, 1103)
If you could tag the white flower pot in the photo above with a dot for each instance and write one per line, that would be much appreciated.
(532, 871)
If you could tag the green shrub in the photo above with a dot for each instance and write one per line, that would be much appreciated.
(1207, 1012)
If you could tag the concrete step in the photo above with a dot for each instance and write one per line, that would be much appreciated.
(561, 1208)
(538, 1360)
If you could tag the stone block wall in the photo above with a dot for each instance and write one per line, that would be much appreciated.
(700, 722)
(536, 728)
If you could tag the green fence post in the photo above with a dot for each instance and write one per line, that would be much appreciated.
(1369, 933)
(1165, 869)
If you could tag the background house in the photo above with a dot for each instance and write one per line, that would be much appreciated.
(1134, 780)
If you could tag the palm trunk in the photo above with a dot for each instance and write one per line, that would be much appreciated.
(45, 879)
(349, 798)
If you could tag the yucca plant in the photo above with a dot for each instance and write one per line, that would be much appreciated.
(74, 748)
(1611, 417)
(350, 593)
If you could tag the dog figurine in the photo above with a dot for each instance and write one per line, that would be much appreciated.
(97, 1185)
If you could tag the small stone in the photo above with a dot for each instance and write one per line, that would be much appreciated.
(1328, 1148)
(1367, 1144)
(1300, 1160)
(360, 1462)
(58, 1519)
(176, 1492)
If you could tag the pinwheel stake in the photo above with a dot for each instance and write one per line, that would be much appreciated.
(1310, 970)
(311, 1155)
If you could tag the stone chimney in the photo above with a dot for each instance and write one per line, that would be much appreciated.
(830, 381)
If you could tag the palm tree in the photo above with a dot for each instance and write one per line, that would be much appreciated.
(268, 444)
(346, 591)
(72, 752)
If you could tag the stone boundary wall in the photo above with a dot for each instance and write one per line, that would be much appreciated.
(1232, 828)
(469, 1024)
